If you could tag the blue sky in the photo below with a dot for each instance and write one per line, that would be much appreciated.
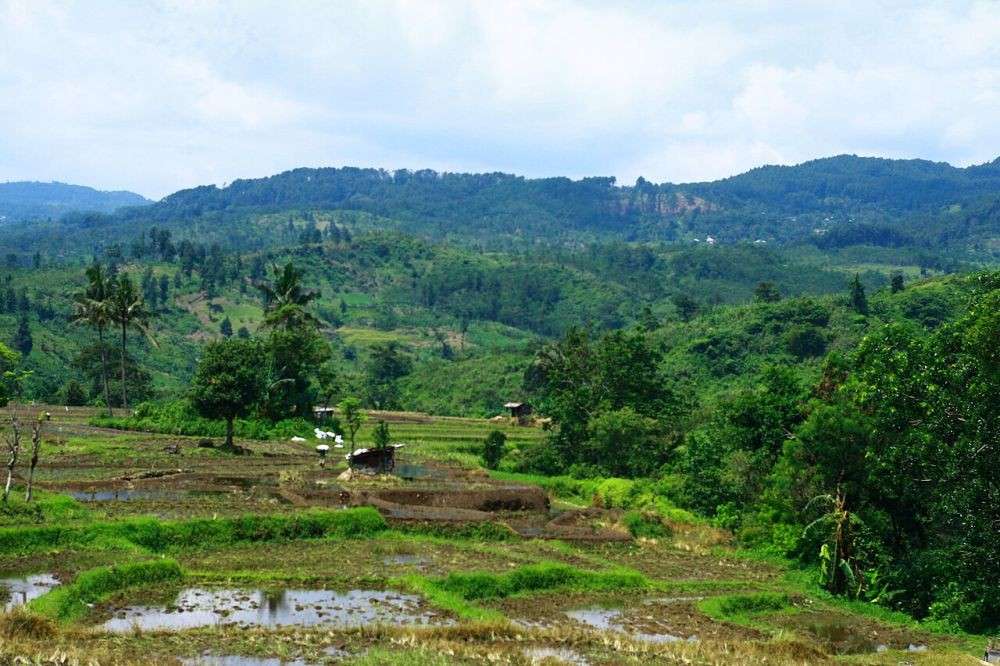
(157, 96)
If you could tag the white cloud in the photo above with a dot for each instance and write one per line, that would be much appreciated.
(159, 95)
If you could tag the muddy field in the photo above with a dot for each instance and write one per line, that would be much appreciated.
(425, 587)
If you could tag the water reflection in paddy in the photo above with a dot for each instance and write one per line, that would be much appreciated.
(199, 607)
(16, 592)
(609, 619)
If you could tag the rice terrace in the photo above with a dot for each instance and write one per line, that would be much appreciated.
(166, 547)
(527, 332)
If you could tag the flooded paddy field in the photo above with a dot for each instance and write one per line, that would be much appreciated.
(264, 558)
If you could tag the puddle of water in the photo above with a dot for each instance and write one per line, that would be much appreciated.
(200, 607)
(844, 638)
(22, 590)
(609, 619)
(605, 619)
(404, 559)
(238, 660)
(411, 471)
(131, 495)
(539, 654)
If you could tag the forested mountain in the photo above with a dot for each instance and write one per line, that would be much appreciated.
(33, 200)
(831, 203)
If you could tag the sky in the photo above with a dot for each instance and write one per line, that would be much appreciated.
(155, 96)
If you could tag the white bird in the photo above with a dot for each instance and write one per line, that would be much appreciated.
(298, 439)
(339, 439)
(320, 434)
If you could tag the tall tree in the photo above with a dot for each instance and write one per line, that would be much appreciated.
(128, 311)
(92, 307)
(229, 381)
(352, 416)
(23, 341)
(295, 345)
(859, 301)
(285, 299)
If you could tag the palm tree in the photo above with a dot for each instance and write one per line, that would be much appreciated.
(92, 307)
(128, 310)
(285, 300)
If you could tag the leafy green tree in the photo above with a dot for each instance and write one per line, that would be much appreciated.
(896, 283)
(386, 364)
(226, 328)
(622, 442)
(23, 341)
(327, 381)
(647, 320)
(229, 381)
(577, 379)
(352, 417)
(128, 311)
(805, 341)
(380, 435)
(686, 306)
(493, 448)
(766, 292)
(92, 307)
(859, 301)
(295, 346)
(73, 394)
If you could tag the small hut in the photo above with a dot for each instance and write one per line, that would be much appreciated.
(373, 461)
(324, 414)
(519, 410)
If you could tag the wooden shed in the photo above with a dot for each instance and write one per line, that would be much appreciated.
(373, 461)
(519, 410)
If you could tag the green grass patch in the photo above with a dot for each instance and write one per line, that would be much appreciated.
(45, 507)
(743, 608)
(645, 525)
(487, 531)
(546, 576)
(447, 600)
(156, 536)
(577, 491)
(70, 602)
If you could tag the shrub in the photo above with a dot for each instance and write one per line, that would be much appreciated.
(178, 417)
(493, 449)
(646, 525)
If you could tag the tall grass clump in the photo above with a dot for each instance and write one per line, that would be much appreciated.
(536, 578)
(70, 602)
(151, 535)
(741, 607)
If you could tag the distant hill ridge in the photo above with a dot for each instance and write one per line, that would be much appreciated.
(31, 200)
(834, 201)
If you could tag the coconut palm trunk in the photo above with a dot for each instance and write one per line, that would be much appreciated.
(124, 350)
(104, 370)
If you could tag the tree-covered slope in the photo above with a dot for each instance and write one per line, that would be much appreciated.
(33, 200)
(840, 200)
